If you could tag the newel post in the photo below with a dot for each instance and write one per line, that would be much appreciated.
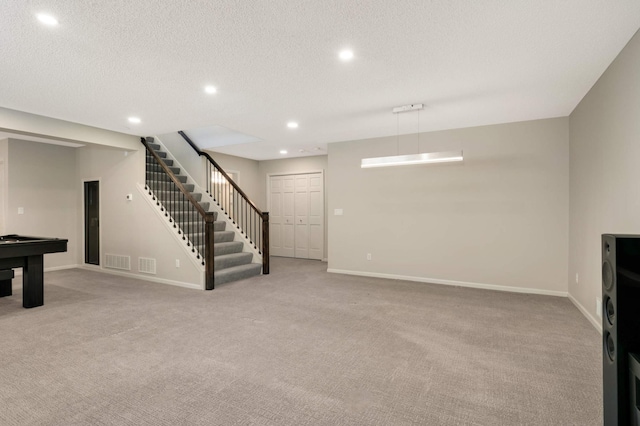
(265, 243)
(208, 251)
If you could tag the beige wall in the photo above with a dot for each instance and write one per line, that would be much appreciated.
(36, 125)
(605, 171)
(4, 150)
(41, 180)
(498, 219)
(130, 228)
(249, 180)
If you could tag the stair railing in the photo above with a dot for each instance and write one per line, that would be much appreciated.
(245, 215)
(191, 220)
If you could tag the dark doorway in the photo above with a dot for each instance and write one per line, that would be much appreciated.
(92, 222)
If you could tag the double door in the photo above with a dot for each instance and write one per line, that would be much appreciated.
(296, 213)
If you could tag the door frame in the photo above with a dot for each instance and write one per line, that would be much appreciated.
(324, 200)
(82, 240)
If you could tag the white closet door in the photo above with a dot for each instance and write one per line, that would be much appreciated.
(275, 215)
(288, 241)
(316, 216)
(297, 215)
(302, 216)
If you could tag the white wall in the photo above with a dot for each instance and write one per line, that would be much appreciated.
(130, 228)
(41, 180)
(498, 219)
(605, 171)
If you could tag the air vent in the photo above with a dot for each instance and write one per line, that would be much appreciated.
(147, 265)
(117, 261)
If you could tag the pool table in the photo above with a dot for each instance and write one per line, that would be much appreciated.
(18, 251)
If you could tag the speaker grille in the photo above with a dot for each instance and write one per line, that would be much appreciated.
(610, 311)
(610, 347)
(607, 275)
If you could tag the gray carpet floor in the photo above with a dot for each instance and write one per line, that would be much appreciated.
(296, 347)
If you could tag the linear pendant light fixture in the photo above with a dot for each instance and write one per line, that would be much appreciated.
(407, 160)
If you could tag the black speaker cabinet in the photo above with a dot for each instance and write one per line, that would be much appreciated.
(620, 323)
(634, 381)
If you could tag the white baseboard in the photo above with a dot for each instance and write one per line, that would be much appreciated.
(142, 277)
(595, 321)
(452, 283)
(18, 271)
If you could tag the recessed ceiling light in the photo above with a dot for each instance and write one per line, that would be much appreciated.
(134, 120)
(292, 125)
(210, 89)
(346, 55)
(283, 151)
(47, 19)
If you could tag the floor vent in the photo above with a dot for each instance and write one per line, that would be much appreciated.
(147, 265)
(117, 261)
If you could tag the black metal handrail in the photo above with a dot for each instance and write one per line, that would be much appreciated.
(248, 218)
(193, 222)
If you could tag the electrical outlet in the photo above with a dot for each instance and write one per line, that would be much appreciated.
(577, 278)
(368, 256)
(20, 210)
(177, 263)
(599, 307)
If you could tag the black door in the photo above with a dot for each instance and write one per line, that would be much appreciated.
(92, 222)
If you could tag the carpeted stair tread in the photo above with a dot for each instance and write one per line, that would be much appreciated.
(164, 177)
(223, 236)
(236, 273)
(227, 248)
(158, 168)
(171, 203)
(169, 195)
(230, 260)
(152, 161)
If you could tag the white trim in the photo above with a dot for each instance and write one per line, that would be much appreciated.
(325, 260)
(144, 278)
(594, 321)
(452, 283)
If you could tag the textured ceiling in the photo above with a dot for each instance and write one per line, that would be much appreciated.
(470, 62)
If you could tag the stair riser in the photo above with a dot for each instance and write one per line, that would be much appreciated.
(222, 276)
(219, 249)
(223, 236)
(222, 263)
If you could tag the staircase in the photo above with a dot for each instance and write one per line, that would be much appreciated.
(231, 262)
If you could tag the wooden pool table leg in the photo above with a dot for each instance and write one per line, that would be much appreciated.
(32, 282)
